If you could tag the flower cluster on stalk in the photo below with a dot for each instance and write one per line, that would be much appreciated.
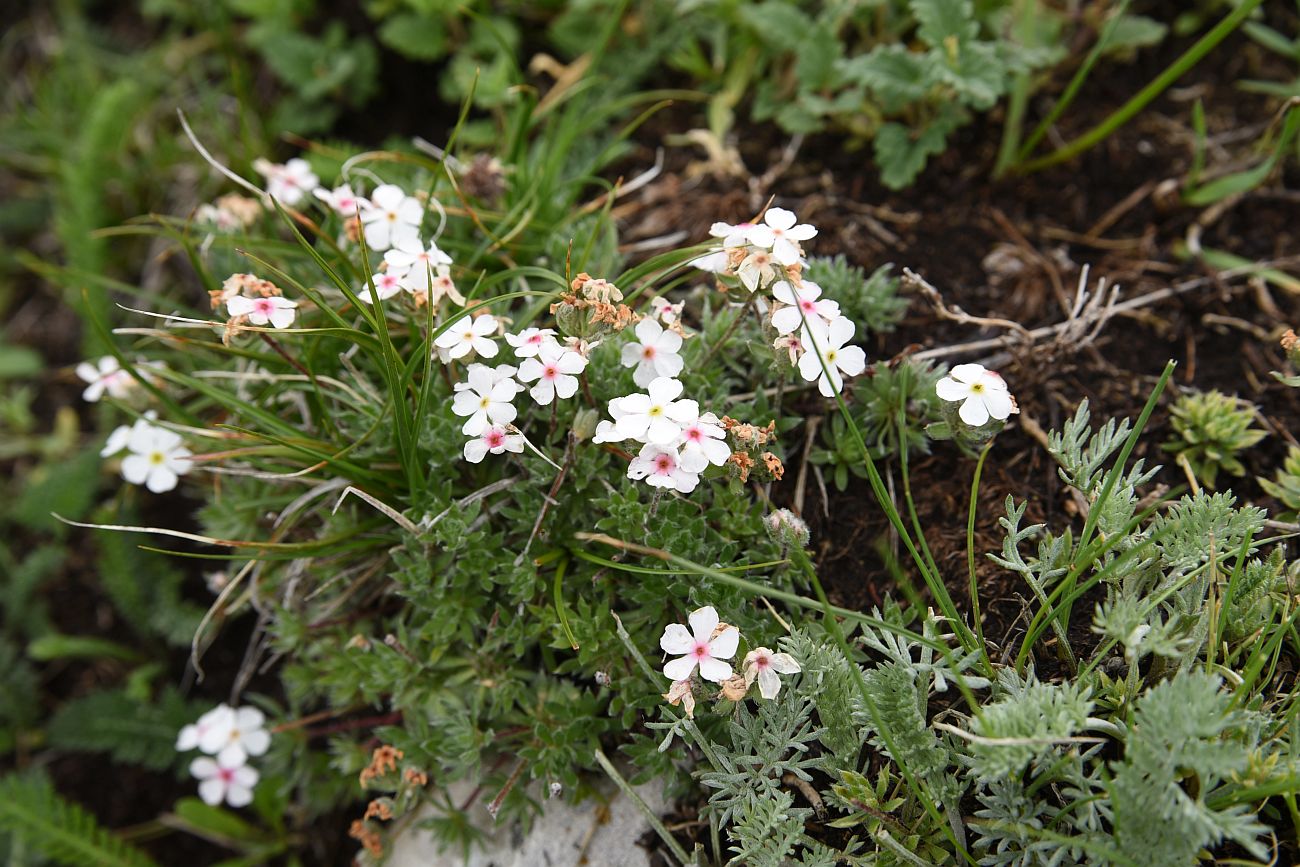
(227, 736)
(703, 649)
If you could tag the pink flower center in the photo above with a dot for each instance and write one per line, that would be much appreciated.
(226, 775)
(664, 464)
(701, 651)
(536, 339)
(647, 352)
(694, 434)
(264, 306)
(762, 662)
(494, 439)
(550, 372)
(808, 306)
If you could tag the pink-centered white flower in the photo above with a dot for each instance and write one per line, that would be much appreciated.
(657, 415)
(289, 182)
(190, 735)
(157, 457)
(706, 645)
(663, 467)
(983, 394)
(803, 303)
(394, 218)
(757, 269)
(529, 342)
(441, 286)
(839, 357)
(666, 311)
(554, 371)
(415, 265)
(104, 376)
(485, 399)
(469, 334)
(703, 441)
(494, 439)
(387, 285)
(224, 781)
(342, 201)
(781, 233)
(655, 353)
(235, 735)
(276, 310)
(763, 665)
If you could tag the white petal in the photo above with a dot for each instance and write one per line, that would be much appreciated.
(475, 450)
(785, 251)
(676, 639)
(724, 646)
(631, 354)
(135, 469)
(203, 768)
(973, 411)
(967, 372)
(679, 668)
(769, 685)
(239, 796)
(668, 364)
(663, 390)
(779, 218)
(998, 404)
(212, 791)
(662, 431)
(161, 480)
(232, 756)
(188, 738)
(257, 741)
(714, 669)
(648, 330)
(950, 389)
(851, 359)
(785, 663)
(703, 621)
(786, 320)
(784, 292)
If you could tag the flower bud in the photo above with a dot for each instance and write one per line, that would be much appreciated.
(584, 423)
(787, 529)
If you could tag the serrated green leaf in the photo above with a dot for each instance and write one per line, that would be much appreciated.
(131, 731)
(59, 829)
(420, 37)
(780, 25)
(895, 76)
(941, 20)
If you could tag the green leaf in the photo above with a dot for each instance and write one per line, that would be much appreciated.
(895, 76)
(59, 829)
(901, 155)
(56, 646)
(1134, 31)
(781, 25)
(67, 487)
(131, 731)
(218, 822)
(19, 362)
(419, 37)
(941, 20)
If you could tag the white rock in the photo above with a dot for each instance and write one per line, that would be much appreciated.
(606, 832)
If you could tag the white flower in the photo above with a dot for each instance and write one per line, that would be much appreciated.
(665, 311)
(105, 375)
(469, 334)
(529, 342)
(342, 200)
(764, 665)
(839, 358)
(757, 269)
(442, 287)
(485, 398)
(983, 394)
(386, 286)
(553, 369)
(662, 467)
(804, 303)
(494, 439)
(190, 735)
(606, 432)
(415, 266)
(656, 416)
(234, 735)
(231, 782)
(700, 646)
(655, 355)
(276, 310)
(157, 457)
(781, 235)
(732, 236)
(703, 442)
(791, 345)
(288, 182)
(395, 217)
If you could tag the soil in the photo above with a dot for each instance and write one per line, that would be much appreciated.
(1008, 248)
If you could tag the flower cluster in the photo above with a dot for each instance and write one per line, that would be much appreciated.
(228, 736)
(809, 329)
(486, 397)
(706, 646)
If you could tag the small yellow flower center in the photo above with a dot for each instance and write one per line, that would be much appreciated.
(656, 410)
(483, 404)
(157, 458)
(977, 388)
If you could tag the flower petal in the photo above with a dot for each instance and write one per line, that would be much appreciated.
(967, 372)
(703, 621)
(679, 668)
(950, 389)
(724, 646)
(676, 639)
(973, 411)
(714, 669)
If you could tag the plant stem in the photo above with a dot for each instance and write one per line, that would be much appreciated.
(731, 329)
(1172, 73)
(970, 544)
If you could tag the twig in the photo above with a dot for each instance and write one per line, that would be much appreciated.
(810, 436)
(952, 312)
